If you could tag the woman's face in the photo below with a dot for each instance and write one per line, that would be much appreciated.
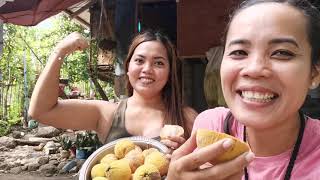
(266, 67)
(148, 69)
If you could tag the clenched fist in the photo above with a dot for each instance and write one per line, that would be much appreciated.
(73, 42)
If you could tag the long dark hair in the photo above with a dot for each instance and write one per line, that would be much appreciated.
(171, 93)
(310, 12)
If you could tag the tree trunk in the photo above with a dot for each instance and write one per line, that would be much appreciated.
(99, 88)
(1, 93)
(93, 74)
(5, 102)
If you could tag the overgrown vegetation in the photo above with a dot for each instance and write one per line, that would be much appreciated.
(33, 45)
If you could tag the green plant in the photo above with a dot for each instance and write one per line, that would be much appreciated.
(87, 140)
(65, 141)
(4, 128)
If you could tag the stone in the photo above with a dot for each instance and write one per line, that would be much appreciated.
(33, 166)
(39, 147)
(16, 134)
(62, 164)
(50, 148)
(3, 149)
(16, 170)
(24, 168)
(54, 162)
(48, 175)
(4, 166)
(48, 169)
(43, 160)
(7, 142)
(47, 132)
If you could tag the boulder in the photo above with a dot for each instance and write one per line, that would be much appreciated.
(47, 132)
(7, 142)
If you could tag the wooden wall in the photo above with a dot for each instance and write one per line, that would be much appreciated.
(200, 25)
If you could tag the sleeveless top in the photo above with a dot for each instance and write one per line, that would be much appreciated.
(118, 127)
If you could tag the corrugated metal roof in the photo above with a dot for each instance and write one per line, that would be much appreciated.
(31, 12)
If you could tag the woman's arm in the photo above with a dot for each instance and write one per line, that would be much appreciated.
(190, 115)
(73, 114)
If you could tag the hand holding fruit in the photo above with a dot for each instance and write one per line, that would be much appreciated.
(185, 163)
(172, 136)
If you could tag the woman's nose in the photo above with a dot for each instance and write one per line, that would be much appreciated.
(147, 67)
(257, 67)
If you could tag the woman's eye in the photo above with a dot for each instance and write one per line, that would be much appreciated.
(283, 54)
(139, 61)
(238, 54)
(159, 63)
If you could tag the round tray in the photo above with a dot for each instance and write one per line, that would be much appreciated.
(143, 142)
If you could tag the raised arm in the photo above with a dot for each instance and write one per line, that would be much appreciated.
(74, 114)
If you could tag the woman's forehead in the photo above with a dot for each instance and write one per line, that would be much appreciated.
(150, 48)
(268, 19)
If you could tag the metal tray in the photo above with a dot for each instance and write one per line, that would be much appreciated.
(143, 142)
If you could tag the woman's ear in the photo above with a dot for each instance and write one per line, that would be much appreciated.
(315, 77)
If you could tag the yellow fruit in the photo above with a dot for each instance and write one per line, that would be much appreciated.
(118, 170)
(107, 159)
(123, 147)
(147, 172)
(206, 137)
(98, 170)
(146, 152)
(100, 178)
(159, 160)
(171, 130)
(137, 148)
(135, 159)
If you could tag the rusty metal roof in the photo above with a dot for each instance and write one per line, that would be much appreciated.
(31, 12)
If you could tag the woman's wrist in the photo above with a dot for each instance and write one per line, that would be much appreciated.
(58, 54)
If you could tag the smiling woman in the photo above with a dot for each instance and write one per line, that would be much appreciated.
(270, 61)
(154, 94)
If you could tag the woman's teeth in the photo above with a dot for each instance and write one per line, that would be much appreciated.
(257, 96)
(146, 80)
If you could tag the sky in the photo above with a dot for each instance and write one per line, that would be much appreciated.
(46, 24)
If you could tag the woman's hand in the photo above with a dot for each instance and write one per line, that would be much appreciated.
(185, 163)
(173, 142)
(72, 42)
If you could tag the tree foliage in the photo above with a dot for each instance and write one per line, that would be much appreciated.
(34, 45)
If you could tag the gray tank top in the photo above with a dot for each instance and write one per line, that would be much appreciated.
(118, 128)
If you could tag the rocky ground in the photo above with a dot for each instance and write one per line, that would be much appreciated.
(35, 154)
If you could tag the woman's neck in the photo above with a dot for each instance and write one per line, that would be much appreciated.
(274, 140)
(154, 101)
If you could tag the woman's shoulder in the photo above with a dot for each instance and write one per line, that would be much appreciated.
(217, 111)
(211, 119)
(313, 127)
(189, 112)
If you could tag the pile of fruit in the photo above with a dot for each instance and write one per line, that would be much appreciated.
(129, 161)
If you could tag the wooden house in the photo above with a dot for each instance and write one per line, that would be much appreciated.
(195, 26)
